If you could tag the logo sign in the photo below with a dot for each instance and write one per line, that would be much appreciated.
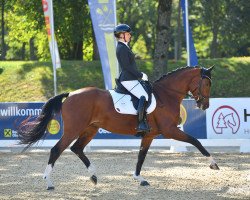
(183, 115)
(227, 118)
(12, 114)
(7, 133)
(53, 127)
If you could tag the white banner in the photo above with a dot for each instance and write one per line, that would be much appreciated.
(49, 22)
(228, 118)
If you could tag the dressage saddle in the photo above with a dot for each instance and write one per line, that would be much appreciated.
(140, 105)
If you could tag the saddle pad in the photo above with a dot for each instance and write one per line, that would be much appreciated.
(124, 105)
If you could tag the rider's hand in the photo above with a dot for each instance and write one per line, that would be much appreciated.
(144, 77)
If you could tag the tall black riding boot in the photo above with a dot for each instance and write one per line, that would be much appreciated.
(143, 126)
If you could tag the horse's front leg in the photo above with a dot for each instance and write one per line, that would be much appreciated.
(176, 134)
(145, 144)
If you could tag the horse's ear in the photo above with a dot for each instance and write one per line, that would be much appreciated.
(211, 68)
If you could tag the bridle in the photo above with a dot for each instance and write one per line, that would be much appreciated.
(200, 97)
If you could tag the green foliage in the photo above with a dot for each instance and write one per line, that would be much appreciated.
(220, 28)
(140, 49)
(33, 81)
(142, 17)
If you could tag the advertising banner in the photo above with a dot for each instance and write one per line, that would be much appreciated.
(49, 22)
(104, 20)
(12, 114)
(229, 118)
(192, 52)
(193, 122)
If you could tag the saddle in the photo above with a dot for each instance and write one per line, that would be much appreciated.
(126, 103)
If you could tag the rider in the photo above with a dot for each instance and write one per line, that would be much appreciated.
(130, 77)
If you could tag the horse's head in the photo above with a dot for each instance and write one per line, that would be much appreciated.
(200, 88)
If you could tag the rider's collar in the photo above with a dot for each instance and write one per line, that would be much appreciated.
(126, 43)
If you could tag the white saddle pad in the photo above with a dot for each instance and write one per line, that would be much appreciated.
(124, 105)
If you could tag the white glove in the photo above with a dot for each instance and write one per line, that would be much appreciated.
(144, 77)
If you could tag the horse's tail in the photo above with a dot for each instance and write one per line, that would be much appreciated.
(30, 132)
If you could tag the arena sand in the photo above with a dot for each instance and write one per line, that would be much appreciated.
(173, 176)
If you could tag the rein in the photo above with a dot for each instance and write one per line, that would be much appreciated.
(176, 91)
(199, 97)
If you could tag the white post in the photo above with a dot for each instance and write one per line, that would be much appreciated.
(117, 65)
(187, 33)
(53, 48)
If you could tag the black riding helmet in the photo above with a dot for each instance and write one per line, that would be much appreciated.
(121, 28)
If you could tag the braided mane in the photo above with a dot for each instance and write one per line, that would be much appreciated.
(175, 71)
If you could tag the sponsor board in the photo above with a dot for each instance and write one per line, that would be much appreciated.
(12, 114)
(192, 121)
(228, 118)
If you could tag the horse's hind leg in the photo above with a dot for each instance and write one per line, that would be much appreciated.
(80, 144)
(179, 135)
(55, 152)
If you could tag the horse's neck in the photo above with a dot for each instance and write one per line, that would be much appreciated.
(176, 85)
(177, 82)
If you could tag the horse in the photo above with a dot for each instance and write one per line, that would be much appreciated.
(86, 110)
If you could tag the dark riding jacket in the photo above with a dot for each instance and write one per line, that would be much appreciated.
(126, 60)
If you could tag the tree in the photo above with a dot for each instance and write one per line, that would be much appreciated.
(3, 32)
(236, 29)
(72, 21)
(23, 24)
(162, 37)
(213, 16)
(141, 16)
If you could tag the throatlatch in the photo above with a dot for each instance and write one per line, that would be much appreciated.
(143, 126)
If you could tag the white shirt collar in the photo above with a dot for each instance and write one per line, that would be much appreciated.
(124, 43)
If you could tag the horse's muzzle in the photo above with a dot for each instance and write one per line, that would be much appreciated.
(203, 104)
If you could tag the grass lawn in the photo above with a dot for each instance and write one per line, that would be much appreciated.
(22, 81)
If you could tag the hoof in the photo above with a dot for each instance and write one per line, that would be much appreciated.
(93, 179)
(51, 188)
(144, 183)
(214, 166)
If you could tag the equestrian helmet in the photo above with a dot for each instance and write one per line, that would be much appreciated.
(121, 28)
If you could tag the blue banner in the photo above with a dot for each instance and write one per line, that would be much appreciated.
(104, 20)
(12, 114)
(192, 52)
(193, 123)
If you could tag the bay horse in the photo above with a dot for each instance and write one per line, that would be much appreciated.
(86, 110)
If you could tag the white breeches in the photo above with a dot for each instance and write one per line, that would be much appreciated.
(135, 88)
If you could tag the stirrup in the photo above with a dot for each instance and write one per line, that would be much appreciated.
(143, 127)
